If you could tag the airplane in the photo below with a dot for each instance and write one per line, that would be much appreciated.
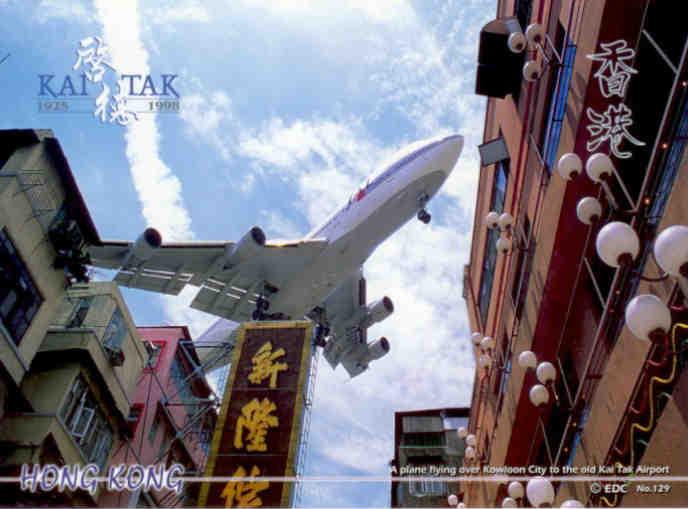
(318, 277)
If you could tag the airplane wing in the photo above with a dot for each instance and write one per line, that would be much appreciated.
(230, 274)
(349, 317)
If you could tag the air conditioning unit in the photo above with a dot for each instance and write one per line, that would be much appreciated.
(115, 355)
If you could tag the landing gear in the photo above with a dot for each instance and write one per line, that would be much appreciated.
(321, 332)
(262, 305)
(423, 215)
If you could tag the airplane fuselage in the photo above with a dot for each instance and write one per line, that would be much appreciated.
(387, 201)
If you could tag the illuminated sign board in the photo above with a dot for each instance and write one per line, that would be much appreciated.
(258, 430)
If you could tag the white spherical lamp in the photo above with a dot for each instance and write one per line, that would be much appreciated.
(617, 243)
(546, 372)
(484, 361)
(588, 210)
(462, 432)
(476, 338)
(540, 492)
(503, 244)
(569, 166)
(505, 222)
(535, 33)
(599, 166)
(516, 42)
(469, 453)
(509, 502)
(487, 343)
(471, 440)
(515, 490)
(671, 250)
(460, 505)
(538, 395)
(532, 70)
(492, 219)
(527, 359)
(572, 503)
(646, 314)
(452, 500)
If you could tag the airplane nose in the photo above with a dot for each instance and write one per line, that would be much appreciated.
(450, 150)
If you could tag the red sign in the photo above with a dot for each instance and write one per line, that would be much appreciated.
(257, 433)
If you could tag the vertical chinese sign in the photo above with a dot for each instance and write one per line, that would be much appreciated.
(259, 427)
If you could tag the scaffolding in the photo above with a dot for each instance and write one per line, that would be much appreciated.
(309, 398)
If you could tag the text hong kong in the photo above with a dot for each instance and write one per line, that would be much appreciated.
(121, 477)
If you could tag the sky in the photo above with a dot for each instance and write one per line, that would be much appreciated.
(286, 106)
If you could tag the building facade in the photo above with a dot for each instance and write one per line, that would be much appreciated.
(44, 225)
(173, 417)
(75, 400)
(426, 444)
(609, 78)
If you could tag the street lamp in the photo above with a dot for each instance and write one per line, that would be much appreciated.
(471, 440)
(509, 502)
(527, 359)
(647, 316)
(452, 500)
(492, 220)
(598, 167)
(546, 372)
(462, 432)
(572, 503)
(540, 492)
(617, 243)
(505, 221)
(476, 338)
(538, 395)
(589, 210)
(515, 490)
(569, 166)
(469, 453)
(671, 250)
(487, 343)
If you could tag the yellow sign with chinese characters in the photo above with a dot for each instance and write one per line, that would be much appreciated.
(258, 430)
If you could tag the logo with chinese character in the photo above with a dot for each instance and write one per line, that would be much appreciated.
(613, 76)
(103, 91)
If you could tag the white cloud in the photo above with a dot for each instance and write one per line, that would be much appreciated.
(208, 118)
(159, 190)
(76, 10)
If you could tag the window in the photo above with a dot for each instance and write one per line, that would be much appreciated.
(523, 9)
(115, 331)
(86, 423)
(424, 440)
(19, 297)
(557, 109)
(427, 488)
(451, 423)
(79, 312)
(490, 256)
(524, 263)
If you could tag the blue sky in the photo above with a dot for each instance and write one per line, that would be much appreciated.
(286, 107)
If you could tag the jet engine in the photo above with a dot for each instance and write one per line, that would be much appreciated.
(378, 349)
(248, 246)
(377, 311)
(145, 246)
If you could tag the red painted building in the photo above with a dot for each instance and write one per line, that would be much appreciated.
(609, 78)
(173, 417)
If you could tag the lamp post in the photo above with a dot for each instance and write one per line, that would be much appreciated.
(540, 492)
